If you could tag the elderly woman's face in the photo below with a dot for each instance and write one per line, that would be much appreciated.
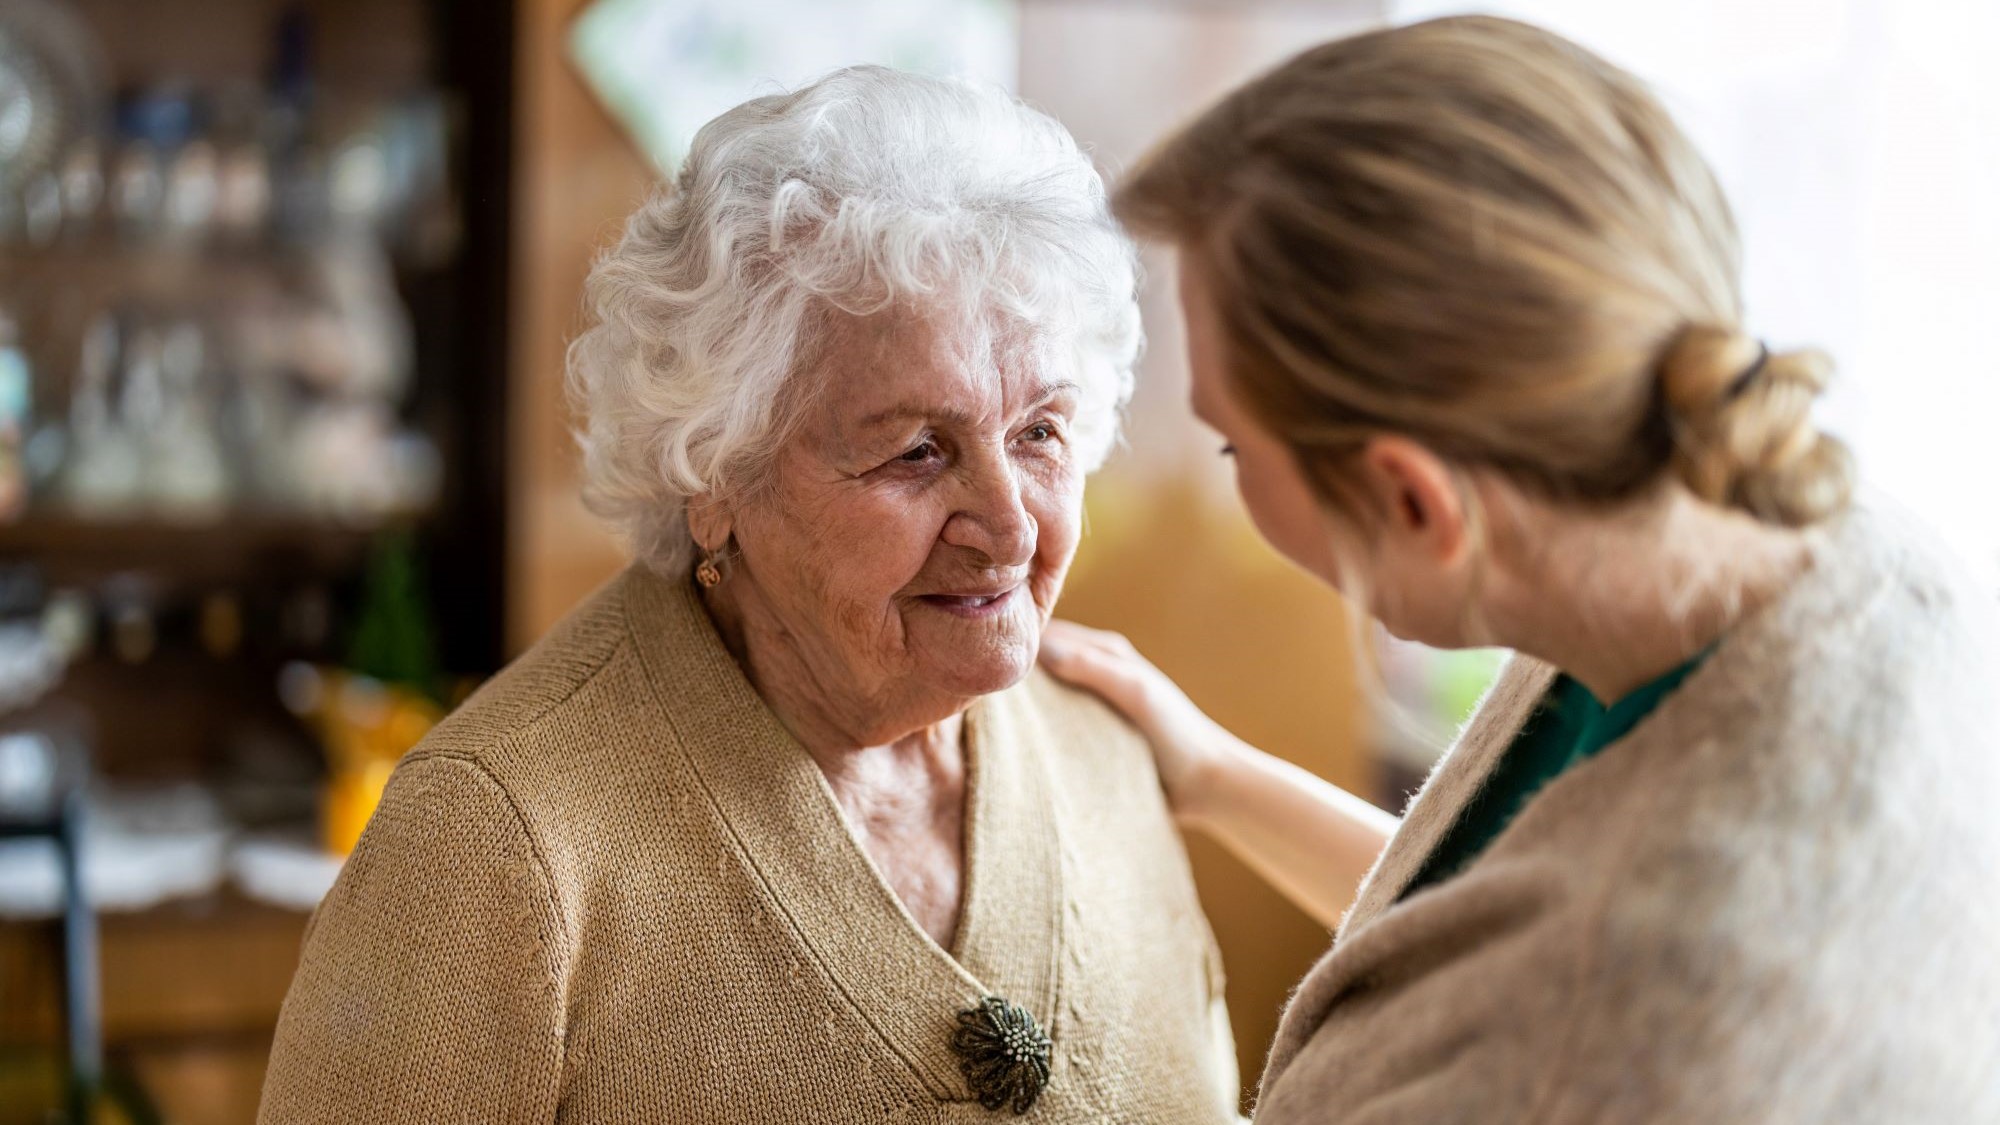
(919, 524)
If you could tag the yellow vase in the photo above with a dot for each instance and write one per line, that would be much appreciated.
(352, 792)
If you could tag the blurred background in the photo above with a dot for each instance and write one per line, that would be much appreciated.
(285, 470)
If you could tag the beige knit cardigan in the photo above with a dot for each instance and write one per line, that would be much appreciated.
(611, 888)
(1776, 900)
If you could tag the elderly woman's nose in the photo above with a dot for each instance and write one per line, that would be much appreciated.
(993, 518)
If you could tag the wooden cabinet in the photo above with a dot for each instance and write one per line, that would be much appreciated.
(191, 996)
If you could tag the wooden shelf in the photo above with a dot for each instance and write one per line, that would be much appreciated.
(73, 549)
(213, 965)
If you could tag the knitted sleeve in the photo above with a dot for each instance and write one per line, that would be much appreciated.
(430, 988)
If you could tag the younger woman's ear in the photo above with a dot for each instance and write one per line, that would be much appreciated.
(709, 522)
(1417, 494)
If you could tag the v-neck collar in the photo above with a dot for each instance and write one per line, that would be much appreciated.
(1605, 725)
(786, 825)
(1522, 685)
(1566, 728)
(1524, 682)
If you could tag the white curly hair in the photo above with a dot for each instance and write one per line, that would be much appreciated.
(865, 190)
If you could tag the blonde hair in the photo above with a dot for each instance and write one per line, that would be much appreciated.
(1477, 234)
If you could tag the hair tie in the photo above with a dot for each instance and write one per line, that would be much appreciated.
(1749, 375)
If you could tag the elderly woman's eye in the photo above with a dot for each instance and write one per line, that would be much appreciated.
(1040, 431)
(919, 454)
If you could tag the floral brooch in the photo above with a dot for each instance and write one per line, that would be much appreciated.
(1002, 1053)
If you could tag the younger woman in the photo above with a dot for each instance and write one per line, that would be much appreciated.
(1720, 845)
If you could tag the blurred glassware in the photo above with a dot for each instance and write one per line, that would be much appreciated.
(30, 666)
(82, 181)
(51, 87)
(243, 191)
(212, 292)
(188, 478)
(41, 208)
(101, 477)
(192, 185)
(142, 845)
(16, 418)
(27, 770)
(69, 623)
(131, 607)
(284, 871)
(136, 189)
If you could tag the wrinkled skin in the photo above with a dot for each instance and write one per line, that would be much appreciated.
(901, 561)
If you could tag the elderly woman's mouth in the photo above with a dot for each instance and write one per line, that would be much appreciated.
(975, 604)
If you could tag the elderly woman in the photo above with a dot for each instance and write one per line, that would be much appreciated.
(781, 825)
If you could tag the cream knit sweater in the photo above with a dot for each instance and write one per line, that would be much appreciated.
(611, 888)
(1776, 900)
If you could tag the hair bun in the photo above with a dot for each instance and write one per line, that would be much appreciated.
(1743, 431)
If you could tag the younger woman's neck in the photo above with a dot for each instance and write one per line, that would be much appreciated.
(1619, 599)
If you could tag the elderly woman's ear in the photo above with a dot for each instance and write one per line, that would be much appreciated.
(710, 524)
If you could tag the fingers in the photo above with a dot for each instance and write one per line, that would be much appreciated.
(1099, 672)
(1096, 660)
(1069, 633)
(1071, 650)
